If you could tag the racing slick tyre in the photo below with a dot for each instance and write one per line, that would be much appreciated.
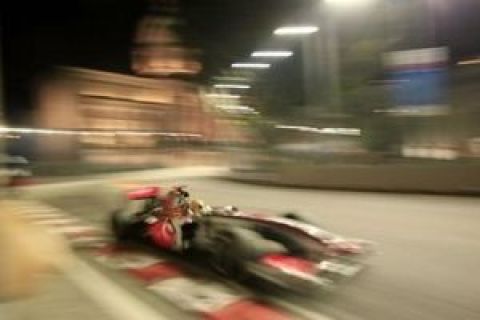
(234, 248)
(120, 226)
(225, 258)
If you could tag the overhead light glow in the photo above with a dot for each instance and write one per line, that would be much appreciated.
(229, 78)
(224, 96)
(96, 132)
(238, 109)
(272, 54)
(251, 65)
(295, 30)
(349, 4)
(234, 107)
(231, 86)
(330, 131)
(469, 62)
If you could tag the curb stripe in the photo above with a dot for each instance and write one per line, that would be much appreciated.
(247, 309)
(210, 300)
(115, 300)
(156, 272)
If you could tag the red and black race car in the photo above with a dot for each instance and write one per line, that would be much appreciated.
(283, 250)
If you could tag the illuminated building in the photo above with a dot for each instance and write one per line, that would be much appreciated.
(159, 98)
(97, 100)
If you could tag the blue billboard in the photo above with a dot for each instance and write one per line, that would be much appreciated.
(419, 81)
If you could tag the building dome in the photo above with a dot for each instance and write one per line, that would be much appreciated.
(158, 50)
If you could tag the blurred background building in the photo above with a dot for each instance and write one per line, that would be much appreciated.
(113, 111)
(360, 81)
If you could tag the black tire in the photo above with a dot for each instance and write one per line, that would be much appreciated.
(120, 227)
(229, 256)
(234, 248)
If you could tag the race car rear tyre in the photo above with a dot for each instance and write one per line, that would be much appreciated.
(226, 258)
(236, 247)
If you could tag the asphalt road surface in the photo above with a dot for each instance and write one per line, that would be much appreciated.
(428, 246)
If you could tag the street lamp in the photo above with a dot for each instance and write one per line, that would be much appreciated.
(251, 65)
(239, 109)
(3, 155)
(348, 3)
(272, 54)
(231, 78)
(231, 86)
(329, 40)
(295, 30)
(224, 96)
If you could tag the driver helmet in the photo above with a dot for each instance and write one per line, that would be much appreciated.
(199, 208)
(179, 196)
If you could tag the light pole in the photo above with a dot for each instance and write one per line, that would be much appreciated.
(328, 19)
(3, 156)
(322, 66)
(321, 58)
(250, 65)
(311, 54)
(272, 54)
(1, 82)
(332, 54)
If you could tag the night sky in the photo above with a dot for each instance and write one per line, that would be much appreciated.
(98, 34)
(37, 35)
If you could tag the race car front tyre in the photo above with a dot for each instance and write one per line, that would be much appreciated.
(119, 227)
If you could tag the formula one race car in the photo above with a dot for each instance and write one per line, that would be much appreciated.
(284, 251)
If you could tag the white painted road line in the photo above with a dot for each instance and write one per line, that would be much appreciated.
(196, 295)
(73, 229)
(112, 298)
(129, 261)
(168, 174)
(59, 222)
(41, 215)
(172, 173)
(304, 313)
(90, 241)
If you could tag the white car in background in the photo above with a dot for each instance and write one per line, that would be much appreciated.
(15, 171)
